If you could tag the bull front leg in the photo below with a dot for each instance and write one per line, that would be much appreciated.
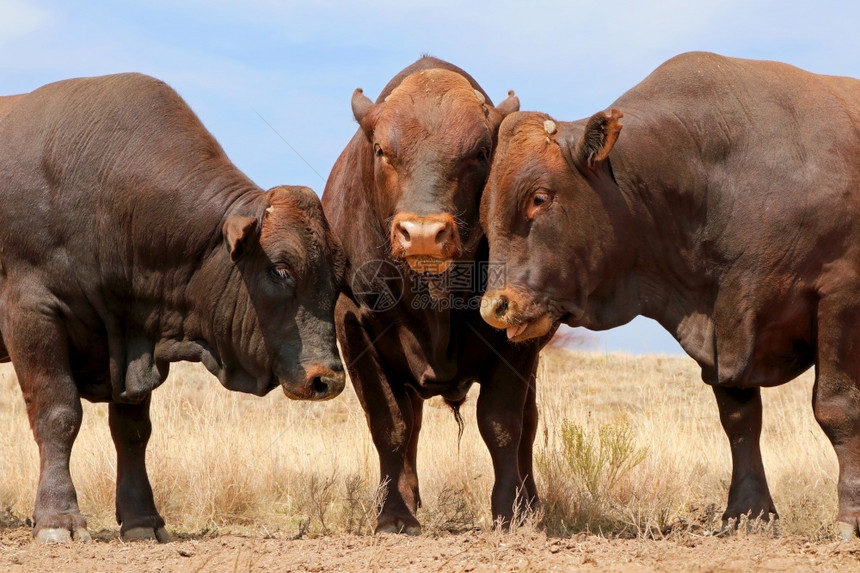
(740, 416)
(394, 424)
(410, 466)
(391, 420)
(37, 344)
(526, 450)
(507, 420)
(130, 428)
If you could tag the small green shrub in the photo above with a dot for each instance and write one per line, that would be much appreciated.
(583, 476)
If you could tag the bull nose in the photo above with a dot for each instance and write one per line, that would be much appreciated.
(495, 308)
(429, 236)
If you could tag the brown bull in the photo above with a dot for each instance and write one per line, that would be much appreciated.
(728, 211)
(129, 241)
(404, 199)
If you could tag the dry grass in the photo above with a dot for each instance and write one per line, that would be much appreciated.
(628, 446)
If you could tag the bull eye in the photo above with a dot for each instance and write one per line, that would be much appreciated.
(483, 154)
(377, 150)
(539, 199)
(282, 275)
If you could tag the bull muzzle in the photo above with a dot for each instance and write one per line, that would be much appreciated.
(428, 243)
(506, 309)
(321, 383)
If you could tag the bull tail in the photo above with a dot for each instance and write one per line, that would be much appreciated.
(455, 409)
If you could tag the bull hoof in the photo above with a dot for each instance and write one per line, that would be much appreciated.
(744, 524)
(399, 526)
(847, 531)
(53, 535)
(145, 534)
(62, 535)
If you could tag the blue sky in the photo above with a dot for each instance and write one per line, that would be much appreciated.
(295, 64)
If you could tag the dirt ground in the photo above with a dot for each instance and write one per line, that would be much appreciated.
(469, 551)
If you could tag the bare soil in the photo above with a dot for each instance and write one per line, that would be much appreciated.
(526, 550)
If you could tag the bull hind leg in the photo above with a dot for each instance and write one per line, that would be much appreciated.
(836, 403)
(4, 354)
(38, 347)
(130, 429)
(740, 415)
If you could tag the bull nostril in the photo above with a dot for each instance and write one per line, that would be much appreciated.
(443, 235)
(321, 384)
(501, 306)
(405, 237)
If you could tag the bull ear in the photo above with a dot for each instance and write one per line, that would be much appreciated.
(238, 230)
(361, 105)
(599, 138)
(510, 105)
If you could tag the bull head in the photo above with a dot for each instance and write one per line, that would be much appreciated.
(272, 304)
(430, 142)
(551, 212)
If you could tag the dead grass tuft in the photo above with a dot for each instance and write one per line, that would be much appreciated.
(628, 446)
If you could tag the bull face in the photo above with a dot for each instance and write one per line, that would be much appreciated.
(431, 141)
(273, 319)
(548, 212)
